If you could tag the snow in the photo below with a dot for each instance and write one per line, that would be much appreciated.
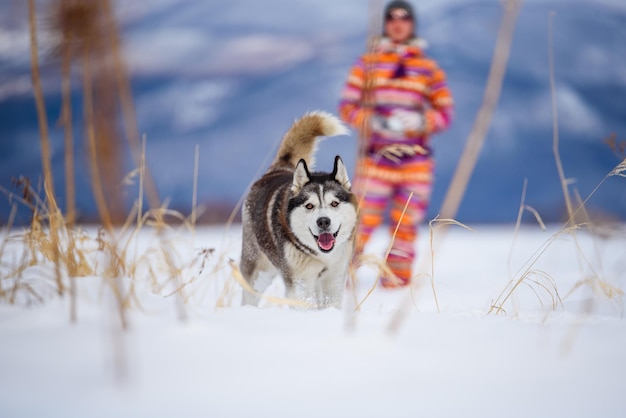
(200, 360)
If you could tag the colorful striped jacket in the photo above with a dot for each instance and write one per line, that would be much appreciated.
(392, 77)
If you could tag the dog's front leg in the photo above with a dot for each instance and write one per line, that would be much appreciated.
(332, 290)
(304, 291)
(259, 276)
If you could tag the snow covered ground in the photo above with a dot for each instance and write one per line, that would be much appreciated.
(209, 357)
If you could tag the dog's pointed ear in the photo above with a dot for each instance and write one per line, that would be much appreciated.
(300, 177)
(341, 174)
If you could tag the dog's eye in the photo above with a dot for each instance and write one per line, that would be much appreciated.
(334, 204)
(309, 206)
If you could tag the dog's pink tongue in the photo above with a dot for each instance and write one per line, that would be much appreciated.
(326, 241)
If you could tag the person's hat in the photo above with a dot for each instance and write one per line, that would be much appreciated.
(399, 9)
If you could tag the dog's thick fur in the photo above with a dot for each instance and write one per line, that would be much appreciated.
(300, 224)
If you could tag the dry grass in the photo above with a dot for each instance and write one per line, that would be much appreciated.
(535, 279)
(52, 245)
(436, 227)
(52, 254)
(539, 281)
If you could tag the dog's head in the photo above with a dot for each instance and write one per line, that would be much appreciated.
(322, 208)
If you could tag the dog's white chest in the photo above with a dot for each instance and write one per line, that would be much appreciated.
(319, 281)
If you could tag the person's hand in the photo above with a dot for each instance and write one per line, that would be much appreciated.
(378, 122)
(406, 120)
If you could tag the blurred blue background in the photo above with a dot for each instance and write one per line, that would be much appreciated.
(231, 76)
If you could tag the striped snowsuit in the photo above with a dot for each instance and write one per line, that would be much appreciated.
(393, 165)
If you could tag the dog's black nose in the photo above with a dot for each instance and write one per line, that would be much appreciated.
(323, 223)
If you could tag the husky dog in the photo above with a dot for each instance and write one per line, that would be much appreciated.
(300, 224)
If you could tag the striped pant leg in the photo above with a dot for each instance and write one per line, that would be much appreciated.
(374, 194)
(410, 202)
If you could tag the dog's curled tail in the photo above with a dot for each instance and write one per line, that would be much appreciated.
(300, 142)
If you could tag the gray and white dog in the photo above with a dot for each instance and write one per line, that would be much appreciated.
(300, 224)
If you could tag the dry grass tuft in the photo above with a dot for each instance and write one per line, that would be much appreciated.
(599, 287)
(432, 226)
(537, 281)
(380, 265)
(619, 170)
(527, 272)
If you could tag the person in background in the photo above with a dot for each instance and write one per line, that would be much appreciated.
(397, 98)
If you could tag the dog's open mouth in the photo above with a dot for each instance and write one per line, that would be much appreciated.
(326, 241)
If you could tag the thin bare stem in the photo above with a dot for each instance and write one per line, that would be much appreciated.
(142, 174)
(482, 123)
(45, 143)
(96, 180)
(555, 123)
(66, 112)
(127, 103)
(194, 198)
(374, 31)
(517, 224)
(39, 101)
(387, 271)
